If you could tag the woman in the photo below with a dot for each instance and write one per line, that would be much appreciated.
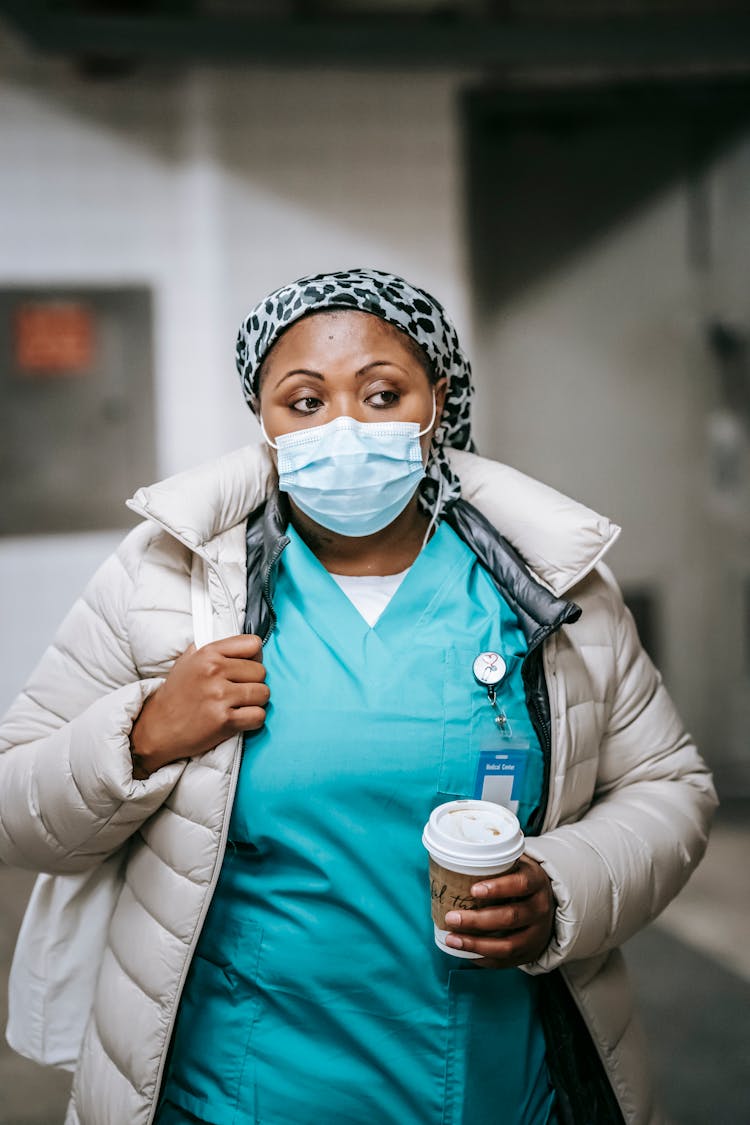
(258, 702)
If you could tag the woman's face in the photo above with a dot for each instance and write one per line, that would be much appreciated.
(345, 363)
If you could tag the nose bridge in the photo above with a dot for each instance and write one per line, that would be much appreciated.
(346, 402)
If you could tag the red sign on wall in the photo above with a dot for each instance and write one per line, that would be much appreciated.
(53, 338)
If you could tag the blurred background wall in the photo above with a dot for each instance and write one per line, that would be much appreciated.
(211, 188)
(571, 179)
(585, 262)
(610, 268)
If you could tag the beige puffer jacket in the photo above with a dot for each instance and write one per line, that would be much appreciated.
(627, 817)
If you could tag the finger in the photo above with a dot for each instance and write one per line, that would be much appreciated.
(247, 718)
(516, 884)
(247, 695)
(513, 916)
(246, 646)
(511, 950)
(498, 948)
(237, 671)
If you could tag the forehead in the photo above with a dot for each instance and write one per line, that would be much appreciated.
(330, 335)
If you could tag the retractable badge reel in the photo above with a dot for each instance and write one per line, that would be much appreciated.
(489, 670)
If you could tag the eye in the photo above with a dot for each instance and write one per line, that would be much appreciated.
(307, 405)
(382, 399)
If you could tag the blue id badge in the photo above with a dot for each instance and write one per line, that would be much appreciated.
(500, 775)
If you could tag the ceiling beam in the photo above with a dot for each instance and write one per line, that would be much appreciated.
(388, 41)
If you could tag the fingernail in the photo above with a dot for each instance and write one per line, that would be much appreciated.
(453, 918)
(454, 942)
(479, 890)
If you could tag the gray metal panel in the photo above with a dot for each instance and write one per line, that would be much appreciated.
(74, 446)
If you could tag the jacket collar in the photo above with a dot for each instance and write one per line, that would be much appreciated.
(539, 611)
(559, 539)
(201, 503)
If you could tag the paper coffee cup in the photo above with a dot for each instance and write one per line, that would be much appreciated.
(467, 841)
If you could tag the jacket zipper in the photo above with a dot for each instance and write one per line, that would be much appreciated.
(597, 1046)
(221, 851)
(208, 898)
(543, 728)
(266, 585)
(551, 742)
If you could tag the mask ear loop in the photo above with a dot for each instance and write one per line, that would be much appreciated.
(441, 481)
(435, 513)
(266, 438)
(431, 422)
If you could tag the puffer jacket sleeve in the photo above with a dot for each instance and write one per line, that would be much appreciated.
(621, 862)
(68, 797)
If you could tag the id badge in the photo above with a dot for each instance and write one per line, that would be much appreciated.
(501, 774)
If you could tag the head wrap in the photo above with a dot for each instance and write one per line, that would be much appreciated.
(407, 307)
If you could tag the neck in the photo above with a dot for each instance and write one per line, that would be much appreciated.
(385, 552)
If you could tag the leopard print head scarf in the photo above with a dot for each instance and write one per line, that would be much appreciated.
(413, 311)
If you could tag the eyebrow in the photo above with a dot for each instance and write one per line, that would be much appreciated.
(362, 371)
(300, 371)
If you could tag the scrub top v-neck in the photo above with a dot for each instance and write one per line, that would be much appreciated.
(316, 992)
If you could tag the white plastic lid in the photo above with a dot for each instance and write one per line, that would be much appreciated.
(473, 837)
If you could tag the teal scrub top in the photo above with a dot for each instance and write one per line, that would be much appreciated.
(316, 992)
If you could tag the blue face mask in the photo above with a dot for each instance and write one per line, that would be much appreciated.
(352, 477)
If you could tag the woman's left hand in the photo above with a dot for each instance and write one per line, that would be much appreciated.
(515, 926)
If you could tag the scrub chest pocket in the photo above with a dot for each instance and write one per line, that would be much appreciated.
(481, 758)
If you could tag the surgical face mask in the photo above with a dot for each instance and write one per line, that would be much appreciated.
(352, 477)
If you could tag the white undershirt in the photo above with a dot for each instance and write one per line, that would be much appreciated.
(370, 593)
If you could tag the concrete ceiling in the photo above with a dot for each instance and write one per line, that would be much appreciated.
(492, 34)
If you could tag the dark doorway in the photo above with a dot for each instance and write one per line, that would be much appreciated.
(551, 170)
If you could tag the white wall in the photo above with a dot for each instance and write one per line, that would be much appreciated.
(213, 187)
(40, 578)
(600, 381)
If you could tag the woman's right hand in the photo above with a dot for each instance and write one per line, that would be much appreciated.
(209, 694)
